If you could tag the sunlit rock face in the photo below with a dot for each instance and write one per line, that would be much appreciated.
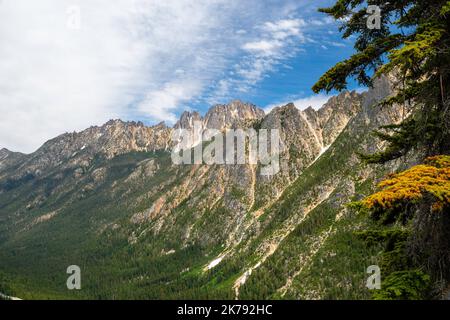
(115, 185)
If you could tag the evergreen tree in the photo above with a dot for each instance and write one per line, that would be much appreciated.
(412, 42)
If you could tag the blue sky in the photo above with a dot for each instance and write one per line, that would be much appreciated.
(70, 64)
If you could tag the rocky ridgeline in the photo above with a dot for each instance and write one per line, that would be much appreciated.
(233, 115)
(306, 132)
(256, 221)
(78, 149)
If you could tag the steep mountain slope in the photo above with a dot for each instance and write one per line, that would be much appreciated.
(109, 200)
(308, 249)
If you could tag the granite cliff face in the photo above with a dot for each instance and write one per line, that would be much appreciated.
(303, 132)
(197, 230)
(236, 114)
(331, 119)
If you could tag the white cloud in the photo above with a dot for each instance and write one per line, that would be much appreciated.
(140, 59)
(337, 44)
(321, 21)
(276, 36)
(56, 77)
(315, 101)
(264, 47)
(50, 79)
(160, 104)
(284, 28)
(272, 43)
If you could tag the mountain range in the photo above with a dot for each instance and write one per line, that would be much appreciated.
(109, 200)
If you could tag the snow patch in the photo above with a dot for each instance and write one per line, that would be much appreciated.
(171, 251)
(4, 296)
(243, 278)
(214, 263)
(322, 151)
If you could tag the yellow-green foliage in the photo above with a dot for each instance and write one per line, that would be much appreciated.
(432, 177)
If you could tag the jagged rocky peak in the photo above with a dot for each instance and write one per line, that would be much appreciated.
(9, 158)
(287, 118)
(299, 146)
(4, 153)
(304, 132)
(295, 130)
(120, 137)
(118, 123)
(336, 113)
(232, 115)
(308, 132)
(187, 120)
(290, 107)
(114, 122)
(222, 116)
(78, 149)
(347, 103)
(329, 120)
(161, 125)
(7, 153)
(310, 112)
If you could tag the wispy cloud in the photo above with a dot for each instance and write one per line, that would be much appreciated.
(160, 104)
(124, 58)
(267, 47)
(143, 59)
